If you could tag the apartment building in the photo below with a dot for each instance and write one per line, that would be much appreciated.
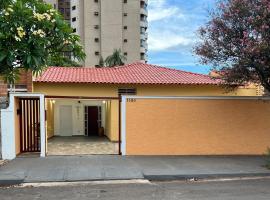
(105, 25)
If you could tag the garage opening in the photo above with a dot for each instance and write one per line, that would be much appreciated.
(81, 127)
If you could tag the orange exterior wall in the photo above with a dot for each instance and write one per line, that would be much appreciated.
(50, 118)
(197, 127)
(111, 90)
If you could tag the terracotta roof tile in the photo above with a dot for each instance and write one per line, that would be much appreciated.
(136, 73)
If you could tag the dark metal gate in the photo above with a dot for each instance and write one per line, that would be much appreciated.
(29, 125)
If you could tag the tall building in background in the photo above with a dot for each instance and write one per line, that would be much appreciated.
(105, 25)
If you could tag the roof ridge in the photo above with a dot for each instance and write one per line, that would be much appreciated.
(131, 64)
(179, 70)
(134, 73)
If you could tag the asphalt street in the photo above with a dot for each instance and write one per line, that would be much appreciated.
(233, 190)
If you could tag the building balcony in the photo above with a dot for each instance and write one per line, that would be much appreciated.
(143, 36)
(144, 23)
(143, 49)
(145, 1)
(144, 33)
(144, 11)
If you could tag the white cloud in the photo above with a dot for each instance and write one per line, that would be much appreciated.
(158, 10)
(162, 35)
(172, 32)
(170, 26)
(163, 40)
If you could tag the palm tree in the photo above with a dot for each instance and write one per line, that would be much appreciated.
(116, 59)
(101, 62)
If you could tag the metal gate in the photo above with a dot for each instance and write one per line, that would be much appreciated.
(29, 125)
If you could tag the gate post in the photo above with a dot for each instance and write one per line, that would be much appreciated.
(8, 131)
(123, 125)
(8, 125)
(42, 127)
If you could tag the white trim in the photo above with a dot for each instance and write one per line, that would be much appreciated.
(17, 90)
(42, 127)
(123, 125)
(8, 126)
(199, 97)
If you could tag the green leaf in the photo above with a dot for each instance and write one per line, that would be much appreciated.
(2, 56)
(28, 59)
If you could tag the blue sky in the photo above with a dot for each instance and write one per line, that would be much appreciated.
(172, 32)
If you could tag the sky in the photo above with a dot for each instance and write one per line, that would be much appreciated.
(172, 32)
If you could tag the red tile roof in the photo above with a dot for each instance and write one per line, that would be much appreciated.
(136, 73)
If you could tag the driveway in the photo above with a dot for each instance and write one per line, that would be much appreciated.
(81, 145)
(85, 168)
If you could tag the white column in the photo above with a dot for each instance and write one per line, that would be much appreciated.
(123, 125)
(8, 131)
(42, 127)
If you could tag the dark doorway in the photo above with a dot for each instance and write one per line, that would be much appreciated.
(92, 120)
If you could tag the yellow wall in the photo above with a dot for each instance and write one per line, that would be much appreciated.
(17, 127)
(112, 123)
(197, 127)
(111, 90)
(50, 118)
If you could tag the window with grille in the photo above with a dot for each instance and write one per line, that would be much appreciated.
(127, 91)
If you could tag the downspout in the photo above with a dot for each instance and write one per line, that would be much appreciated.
(119, 124)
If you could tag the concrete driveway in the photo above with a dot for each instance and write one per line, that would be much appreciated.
(85, 168)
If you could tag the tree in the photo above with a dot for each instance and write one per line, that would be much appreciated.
(116, 59)
(32, 36)
(101, 62)
(236, 40)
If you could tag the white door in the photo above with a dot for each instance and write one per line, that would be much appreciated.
(65, 118)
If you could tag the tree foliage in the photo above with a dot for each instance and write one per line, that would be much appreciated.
(101, 62)
(116, 59)
(32, 36)
(236, 40)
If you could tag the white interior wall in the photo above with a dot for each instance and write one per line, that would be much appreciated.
(77, 114)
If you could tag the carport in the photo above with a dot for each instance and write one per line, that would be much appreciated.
(79, 126)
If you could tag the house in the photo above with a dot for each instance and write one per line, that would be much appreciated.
(142, 109)
(23, 84)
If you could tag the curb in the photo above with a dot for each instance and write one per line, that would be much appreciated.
(194, 177)
(201, 177)
(8, 183)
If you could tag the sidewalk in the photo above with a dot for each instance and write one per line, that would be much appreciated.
(87, 168)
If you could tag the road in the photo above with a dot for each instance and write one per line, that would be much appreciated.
(233, 190)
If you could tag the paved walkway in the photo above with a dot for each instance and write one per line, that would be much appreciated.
(85, 168)
(79, 145)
